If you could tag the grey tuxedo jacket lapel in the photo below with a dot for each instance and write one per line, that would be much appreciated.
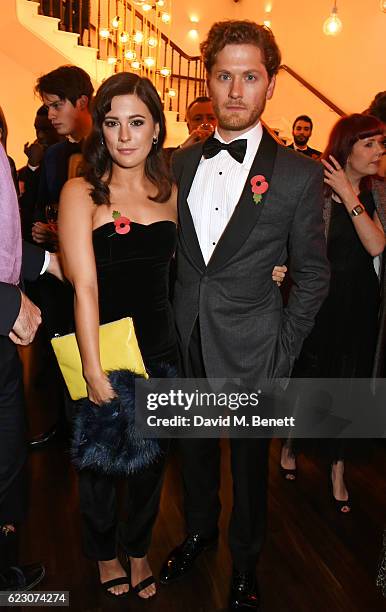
(244, 217)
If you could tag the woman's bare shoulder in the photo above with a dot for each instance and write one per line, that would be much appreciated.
(77, 186)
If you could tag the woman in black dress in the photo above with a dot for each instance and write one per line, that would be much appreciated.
(117, 228)
(342, 343)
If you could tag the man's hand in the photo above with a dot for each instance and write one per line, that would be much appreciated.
(54, 267)
(198, 135)
(27, 322)
(45, 232)
(34, 152)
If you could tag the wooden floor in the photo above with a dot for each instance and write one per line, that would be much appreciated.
(313, 560)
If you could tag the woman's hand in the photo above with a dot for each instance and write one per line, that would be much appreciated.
(335, 177)
(278, 274)
(99, 389)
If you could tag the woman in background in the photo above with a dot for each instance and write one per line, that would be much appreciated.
(343, 341)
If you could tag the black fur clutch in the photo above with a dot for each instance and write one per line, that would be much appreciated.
(105, 438)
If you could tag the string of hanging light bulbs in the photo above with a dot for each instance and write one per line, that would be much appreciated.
(140, 47)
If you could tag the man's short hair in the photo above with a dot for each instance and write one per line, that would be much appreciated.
(42, 111)
(245, 32)
(377, 107)
(66, 82)
(305, 118)
(198, 100)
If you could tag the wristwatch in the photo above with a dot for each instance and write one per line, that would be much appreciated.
(358, 210)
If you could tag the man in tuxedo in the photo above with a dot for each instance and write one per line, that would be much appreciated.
(301, 132)
(229, 314)
(19, 320)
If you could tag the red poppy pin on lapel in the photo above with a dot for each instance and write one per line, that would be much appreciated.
(259, 186)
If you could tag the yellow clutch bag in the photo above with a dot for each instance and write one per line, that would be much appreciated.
(118, 349)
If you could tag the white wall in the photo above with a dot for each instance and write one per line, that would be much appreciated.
(348, 69)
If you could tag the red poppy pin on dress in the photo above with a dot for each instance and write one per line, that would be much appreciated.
(122, 224)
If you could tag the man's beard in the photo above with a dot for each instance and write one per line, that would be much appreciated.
(234, 122)
(301, 141)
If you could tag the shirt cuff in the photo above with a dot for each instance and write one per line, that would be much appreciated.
(47, 259)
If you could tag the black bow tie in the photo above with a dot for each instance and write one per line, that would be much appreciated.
(237, 148)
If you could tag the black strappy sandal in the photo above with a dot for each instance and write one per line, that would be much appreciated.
(142, 585)
(115, 582)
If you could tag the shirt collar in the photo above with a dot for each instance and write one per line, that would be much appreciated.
(253, 138)
(72, 140)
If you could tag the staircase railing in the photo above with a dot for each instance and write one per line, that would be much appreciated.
(186, 78)
(92, 19)
(313, 90)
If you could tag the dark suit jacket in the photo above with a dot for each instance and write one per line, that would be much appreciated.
(10, 297)
(309, 152)
(54, 173)
(245, 330)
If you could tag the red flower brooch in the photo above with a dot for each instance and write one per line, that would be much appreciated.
(259, 186)
(122, 224)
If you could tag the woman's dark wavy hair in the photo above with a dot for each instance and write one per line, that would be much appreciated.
(245, 32)
(98, 162)
(345, 133)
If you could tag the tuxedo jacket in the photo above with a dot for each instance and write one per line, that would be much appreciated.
(245, 330)
(10, 297)
(310, 152)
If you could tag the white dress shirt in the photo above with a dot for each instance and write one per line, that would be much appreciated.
(216, 190)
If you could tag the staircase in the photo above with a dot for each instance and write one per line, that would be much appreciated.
(32, 44)
(65, 43)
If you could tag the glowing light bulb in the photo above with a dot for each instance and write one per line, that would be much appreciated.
(171, 93)
(193, 34)
(115, 23)
(152, 42)
(130, 55)
(138, 37)
(165, 72)
(383, 6)
(333, 25)
(165, 17)
(267, 23)
(104, 33)
(160, 3)
(124, 37)
(136, 65)
(149, 62)
(112, 60)
(146, 7)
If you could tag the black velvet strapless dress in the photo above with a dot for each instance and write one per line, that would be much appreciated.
(133, 281)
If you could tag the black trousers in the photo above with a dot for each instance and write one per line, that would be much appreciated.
(98, 502)
(201, 478)
(98, 505)
(13, 448)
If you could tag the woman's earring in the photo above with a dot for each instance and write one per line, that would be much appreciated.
(102, 142)
(155, 140)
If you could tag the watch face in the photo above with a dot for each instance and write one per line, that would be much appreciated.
(357, 210)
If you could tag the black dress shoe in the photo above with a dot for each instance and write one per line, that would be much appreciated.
(21, 578)
(182, 558)
(43, 439)
(244, 594)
